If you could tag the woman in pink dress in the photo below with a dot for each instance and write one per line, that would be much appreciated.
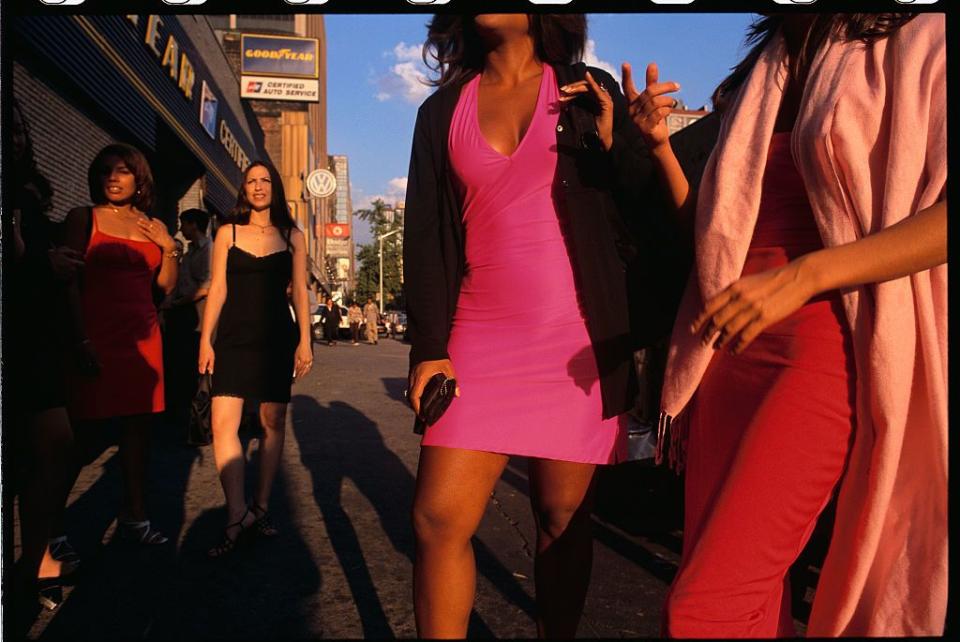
(809, 355)
(515, 260)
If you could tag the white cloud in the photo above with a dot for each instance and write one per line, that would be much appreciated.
(406, 78)
(398, 185)
(590, 57)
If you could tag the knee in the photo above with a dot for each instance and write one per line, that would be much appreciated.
(433, 525)
(553, 522)
(273, 422)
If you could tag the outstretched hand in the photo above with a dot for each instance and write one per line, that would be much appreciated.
(649, 109)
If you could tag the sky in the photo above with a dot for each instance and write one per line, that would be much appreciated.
(373, 67)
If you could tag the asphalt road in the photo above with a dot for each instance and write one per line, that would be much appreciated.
(341, 567)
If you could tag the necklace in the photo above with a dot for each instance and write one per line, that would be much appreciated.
(263, 228)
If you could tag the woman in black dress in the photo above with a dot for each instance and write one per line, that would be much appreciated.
(258, 348)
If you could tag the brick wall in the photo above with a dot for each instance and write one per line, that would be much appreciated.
(65, 140)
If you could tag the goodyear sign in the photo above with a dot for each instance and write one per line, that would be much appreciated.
(282, 56)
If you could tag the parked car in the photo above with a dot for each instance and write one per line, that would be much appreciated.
(319, 316)
(398, 327)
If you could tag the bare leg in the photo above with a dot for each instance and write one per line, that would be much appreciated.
(453, 487)
(273, 418)
(225, 415)
(51, 446)
(561, 494)
(133, 452)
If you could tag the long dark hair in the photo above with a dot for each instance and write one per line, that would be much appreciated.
(279, 212)
(454, 50)
(135, 161)
(865, 27)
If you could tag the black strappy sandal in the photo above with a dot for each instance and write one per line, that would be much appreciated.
(263, 523)
(139, 533)
(227, 545)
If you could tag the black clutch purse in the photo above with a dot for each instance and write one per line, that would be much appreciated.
(436, 398)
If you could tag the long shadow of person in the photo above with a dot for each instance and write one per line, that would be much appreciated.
(339, 443)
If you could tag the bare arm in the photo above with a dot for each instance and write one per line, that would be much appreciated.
(301, 305)
(301, 302)
(649, 110)
(742, 311)
(156, 231)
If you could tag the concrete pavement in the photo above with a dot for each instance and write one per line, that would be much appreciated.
(341, 567)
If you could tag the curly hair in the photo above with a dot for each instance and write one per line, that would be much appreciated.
(134, 159)
(454, 50)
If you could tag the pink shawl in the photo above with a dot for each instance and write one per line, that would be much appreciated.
(870, 143)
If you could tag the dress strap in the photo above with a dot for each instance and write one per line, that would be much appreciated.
(234, 225)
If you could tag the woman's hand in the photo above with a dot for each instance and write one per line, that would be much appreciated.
(87, 359)
(752, 304)
(207, 357)
(64, 262)
(603, 105)
(304, 359)
(157, 232)
(422, 373)
(649, 109)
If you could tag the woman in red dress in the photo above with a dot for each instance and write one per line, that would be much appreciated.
(118, 337)
(822, 317)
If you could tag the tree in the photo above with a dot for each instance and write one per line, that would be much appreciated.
(368, 256)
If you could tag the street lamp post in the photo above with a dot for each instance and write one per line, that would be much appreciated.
(380, 239)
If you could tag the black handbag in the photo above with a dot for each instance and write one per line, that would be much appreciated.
(199, 431)
(436, 398)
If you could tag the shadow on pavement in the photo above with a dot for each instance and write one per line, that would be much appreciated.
(339, 443)
(171, 592)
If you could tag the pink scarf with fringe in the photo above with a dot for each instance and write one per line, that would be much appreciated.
(870, 143)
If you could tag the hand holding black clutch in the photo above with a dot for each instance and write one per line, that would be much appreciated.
(434, 401)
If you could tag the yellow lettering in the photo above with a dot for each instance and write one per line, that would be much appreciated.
(170, 57)
(153, 33)
(188, 77)
(135, 19)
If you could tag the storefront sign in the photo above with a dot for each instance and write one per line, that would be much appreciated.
(338, 231)
(282, 56)
(166, 48)
(321, 183)
(208, 111)
(269, 88)
(230, 143)
(338, 247)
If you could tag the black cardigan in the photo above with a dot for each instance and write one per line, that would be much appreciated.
(599, 193)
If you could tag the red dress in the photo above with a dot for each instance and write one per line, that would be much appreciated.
(769, 433)
(120, 320)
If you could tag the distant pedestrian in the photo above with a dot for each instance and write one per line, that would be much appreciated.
(182, 313)
(354, 316)
(372, 316)
(259, 347)
(120, 375)
(331, 322)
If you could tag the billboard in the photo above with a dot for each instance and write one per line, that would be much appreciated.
(272, 88)
(279, 56)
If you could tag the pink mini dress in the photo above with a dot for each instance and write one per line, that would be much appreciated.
(519, 344)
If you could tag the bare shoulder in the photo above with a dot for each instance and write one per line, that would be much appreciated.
(224, 235)
(297, 238)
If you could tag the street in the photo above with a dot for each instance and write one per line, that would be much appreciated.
(341, 567)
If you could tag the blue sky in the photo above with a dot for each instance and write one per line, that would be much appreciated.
(373, 62)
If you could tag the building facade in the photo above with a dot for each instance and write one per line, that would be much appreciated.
(295, 132)
(344, 256)
(159, 83)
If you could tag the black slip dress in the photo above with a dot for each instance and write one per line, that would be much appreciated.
(256, 334)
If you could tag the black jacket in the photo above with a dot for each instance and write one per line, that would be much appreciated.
(600, 192)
